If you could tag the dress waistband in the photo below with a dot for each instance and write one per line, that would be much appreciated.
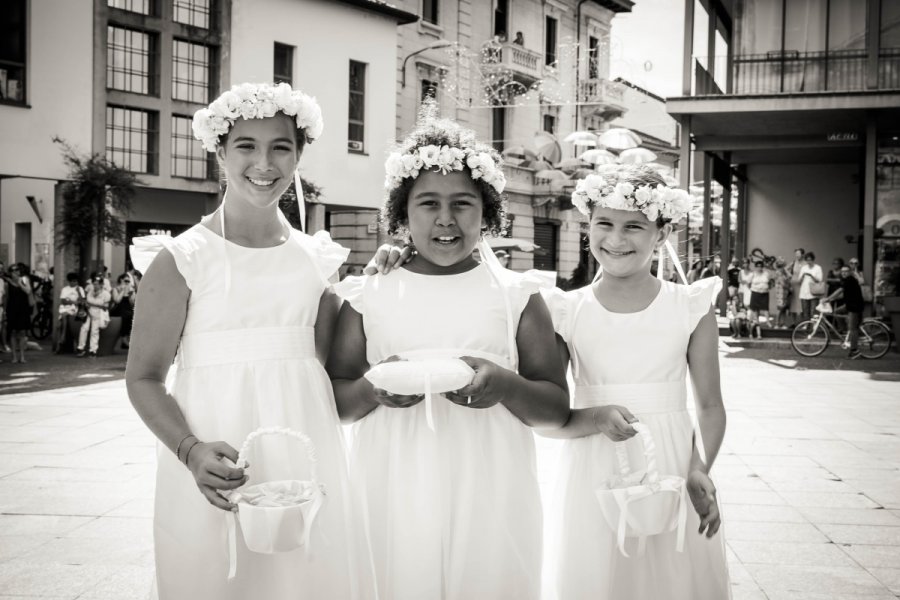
(662, 397)
(246, 345)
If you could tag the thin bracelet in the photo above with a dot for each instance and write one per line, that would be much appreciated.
(187, 455)
(178, 447)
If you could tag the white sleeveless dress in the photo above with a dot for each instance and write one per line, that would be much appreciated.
(247, 360)
(453, 513)
(637, 360)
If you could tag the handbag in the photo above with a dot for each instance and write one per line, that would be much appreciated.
(818, 288)
(81, 314)
(642, 503)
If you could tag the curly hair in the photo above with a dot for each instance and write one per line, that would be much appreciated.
(441, 132)
(636, 175)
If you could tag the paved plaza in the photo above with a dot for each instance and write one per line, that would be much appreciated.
(809, 478)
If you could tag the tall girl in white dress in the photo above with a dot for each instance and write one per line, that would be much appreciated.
(242, 304)
(453, 512)
(631, 339)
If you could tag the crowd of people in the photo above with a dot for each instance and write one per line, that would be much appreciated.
(90, 305)
(780, 295)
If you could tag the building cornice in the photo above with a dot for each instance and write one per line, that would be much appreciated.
(403, 17)
(731, 103)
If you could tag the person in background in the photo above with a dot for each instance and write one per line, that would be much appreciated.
(520, 39)
(19, 305)
(810, 273)
(713, 267)
(856, 270)
(69, 298)
(733, 275)
(738, 323)
(123, 296)
(782, 289)
(744, 281)
(833, 279)
(793, 270)
(760, 282)
(851, 293)
(3, 296)
(98, 316)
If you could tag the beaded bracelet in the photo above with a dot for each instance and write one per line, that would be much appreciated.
(178, 447)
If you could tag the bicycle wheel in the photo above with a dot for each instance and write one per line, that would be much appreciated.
(41, 325)
(874, 339)
(810, 338)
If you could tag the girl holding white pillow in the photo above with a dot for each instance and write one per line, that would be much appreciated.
(448, 488)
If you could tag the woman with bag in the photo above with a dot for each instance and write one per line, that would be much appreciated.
(812, 285)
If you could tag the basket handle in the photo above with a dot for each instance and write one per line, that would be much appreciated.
(649, 453)
(307, 443)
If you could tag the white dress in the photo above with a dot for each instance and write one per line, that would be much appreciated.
(454, 513)
(247, 360)
(637, 360)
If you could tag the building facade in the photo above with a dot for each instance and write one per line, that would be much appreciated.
(795, 105)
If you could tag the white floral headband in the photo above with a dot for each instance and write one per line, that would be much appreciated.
(671, 204)
(445, 158)
(256, 101)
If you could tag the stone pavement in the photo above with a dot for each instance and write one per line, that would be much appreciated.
(809, 479)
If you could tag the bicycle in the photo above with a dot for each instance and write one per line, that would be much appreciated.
(42, 320)
(812, 337)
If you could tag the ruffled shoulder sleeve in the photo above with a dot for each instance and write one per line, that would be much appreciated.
(701, 295)
(521, 286)
(325, 253)
(561, 309)
(144, 249)
(350, 289)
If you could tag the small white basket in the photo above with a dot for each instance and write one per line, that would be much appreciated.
(642, 504)
(275, 516)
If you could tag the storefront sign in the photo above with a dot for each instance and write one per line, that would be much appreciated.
(843, 136)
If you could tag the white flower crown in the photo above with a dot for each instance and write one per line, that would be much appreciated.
(256, 101)
(661, 201)
(445, 158)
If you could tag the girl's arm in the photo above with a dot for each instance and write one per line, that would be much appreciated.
(703, 362)
(537, 394)
(326, 319)
(158, 322)
(347, 363)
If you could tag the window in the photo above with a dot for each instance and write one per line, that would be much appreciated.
(498, 128)
(429, 89)
(130, 58)
(357, 110)
(546, 235)
(550, 123)
(430, 11)
(12, 51)
(192, 12)
(138, 6)
(131, 138)
(890, 25)
(501, 12)
(593, 57)
(284, 64)
(190, 72)
(550, 40)
(189, 159)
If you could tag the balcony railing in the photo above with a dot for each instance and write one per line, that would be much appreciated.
(523, 64)
(795, 72)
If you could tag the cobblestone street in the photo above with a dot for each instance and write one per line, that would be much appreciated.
(809, 477)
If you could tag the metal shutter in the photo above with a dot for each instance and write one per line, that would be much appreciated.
(546, 236)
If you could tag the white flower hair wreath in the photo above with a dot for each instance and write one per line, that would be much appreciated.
(669, 203)
(256, 101)
(444, 158)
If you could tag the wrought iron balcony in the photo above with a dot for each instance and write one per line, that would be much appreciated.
(521, 64)
(602, 97)
(794, 72)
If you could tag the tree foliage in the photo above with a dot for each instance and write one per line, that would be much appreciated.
(288, 201)
(97, 192)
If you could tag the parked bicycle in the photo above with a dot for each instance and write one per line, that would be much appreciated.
(812, 337)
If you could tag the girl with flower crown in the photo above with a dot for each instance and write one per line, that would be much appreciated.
(448, 484)
(245, 357)
(631, 339)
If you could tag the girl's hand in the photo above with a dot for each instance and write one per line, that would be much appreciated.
(703, 496)
(487, 388)
(211, 474)
(385, 398)
(615, 422)
(387, 258)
